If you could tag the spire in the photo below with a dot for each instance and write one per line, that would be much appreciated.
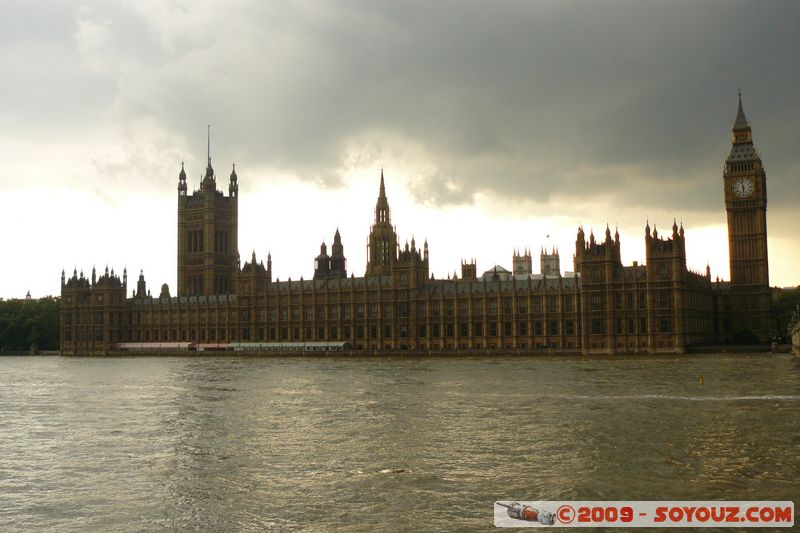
(741, 119)
(209, 168)
(382, 207)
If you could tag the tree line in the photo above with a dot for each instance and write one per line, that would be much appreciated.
(24, 323)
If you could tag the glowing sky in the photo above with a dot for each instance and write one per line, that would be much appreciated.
(497, 123)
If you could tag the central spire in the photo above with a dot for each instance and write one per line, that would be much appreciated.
(382, 207)
(209, 141)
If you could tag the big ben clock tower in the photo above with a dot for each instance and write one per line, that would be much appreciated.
(746, 202)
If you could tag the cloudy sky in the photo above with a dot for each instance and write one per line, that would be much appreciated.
(498, 124)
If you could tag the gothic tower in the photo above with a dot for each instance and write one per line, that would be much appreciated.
(522, 264)
(745, 184)
(338, 260)
(207, 235)
(382, 245)
(550, 263)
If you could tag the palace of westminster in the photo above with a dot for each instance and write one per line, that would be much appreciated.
(601, 307)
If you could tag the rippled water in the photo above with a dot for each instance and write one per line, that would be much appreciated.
(225, 443)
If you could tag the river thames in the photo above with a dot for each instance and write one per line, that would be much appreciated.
(317, 444)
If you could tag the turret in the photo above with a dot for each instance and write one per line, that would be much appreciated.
(233, 188)
(322, 264)
(182, 187)
(338, 261)
(141, 286)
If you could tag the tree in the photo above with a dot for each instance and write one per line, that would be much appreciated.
(27, 322)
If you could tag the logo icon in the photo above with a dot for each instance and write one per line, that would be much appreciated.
(517, 511)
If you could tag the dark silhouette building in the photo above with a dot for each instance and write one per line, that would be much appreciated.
(601, 307)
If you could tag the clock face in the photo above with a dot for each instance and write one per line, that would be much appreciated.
(743, 187)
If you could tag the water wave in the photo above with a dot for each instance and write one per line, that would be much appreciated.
(768, 397)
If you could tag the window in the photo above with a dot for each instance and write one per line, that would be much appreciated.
(507, 330)
(597, 301)
(523, 328)
(597, 326)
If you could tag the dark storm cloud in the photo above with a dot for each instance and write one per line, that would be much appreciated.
(531, 100)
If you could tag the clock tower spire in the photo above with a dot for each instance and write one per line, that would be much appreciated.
(745, 183)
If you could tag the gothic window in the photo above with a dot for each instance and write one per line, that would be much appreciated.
(384, 251)
(663, 298)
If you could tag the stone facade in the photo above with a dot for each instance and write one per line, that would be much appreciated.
(602, 307)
